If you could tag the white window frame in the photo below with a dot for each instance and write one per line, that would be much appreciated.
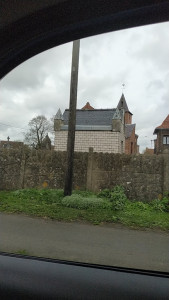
(165, 139)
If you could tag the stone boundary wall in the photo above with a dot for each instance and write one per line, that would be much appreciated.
(38, 169)
(144, 177)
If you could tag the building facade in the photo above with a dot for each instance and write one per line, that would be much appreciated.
(162, 141)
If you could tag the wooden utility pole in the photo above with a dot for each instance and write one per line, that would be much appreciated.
(72, 118)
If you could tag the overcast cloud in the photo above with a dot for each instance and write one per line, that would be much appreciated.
(138, 57)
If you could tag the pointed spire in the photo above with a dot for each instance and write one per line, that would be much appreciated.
(123, 104)
(59, 115)
(117, 115)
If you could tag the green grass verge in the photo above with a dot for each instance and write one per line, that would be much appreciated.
(51, 204)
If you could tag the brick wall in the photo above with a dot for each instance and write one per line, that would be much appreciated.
(101, 141)
(131, 149)
(128, 118)
(159, 146)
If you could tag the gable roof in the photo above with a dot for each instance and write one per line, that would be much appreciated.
(129, 129)
(164, 125)
(91, 117)
(87, 106)
(123, 104)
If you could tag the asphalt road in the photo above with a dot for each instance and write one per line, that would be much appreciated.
(105, 244)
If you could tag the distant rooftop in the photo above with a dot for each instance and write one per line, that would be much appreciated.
(164, 125)
(11, 144)
(87, 106)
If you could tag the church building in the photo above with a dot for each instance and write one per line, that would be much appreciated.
(105, 130)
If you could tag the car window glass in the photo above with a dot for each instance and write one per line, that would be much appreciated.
(118, 212)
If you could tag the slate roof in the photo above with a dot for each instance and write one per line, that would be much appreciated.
(123, 104)
(91, 117)
(128, 129)
(89, 127)
(164, 125)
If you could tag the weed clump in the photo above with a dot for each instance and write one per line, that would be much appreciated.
(116, 196)
(79, 202)
(160, 205)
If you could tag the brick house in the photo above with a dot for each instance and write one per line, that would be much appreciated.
(162, 141)
(148, 151)
(102, 129)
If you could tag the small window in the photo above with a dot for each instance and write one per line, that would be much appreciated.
(166, 140)
(121, 146)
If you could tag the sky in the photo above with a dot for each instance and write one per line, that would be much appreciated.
(137, 57)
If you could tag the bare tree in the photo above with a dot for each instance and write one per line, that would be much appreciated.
(39, 127)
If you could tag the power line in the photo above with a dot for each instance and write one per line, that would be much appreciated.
(8, 125)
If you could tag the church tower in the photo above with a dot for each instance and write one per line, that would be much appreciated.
(123, 104)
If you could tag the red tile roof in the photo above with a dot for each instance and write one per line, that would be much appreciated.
(87, 107)
(165, 124)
